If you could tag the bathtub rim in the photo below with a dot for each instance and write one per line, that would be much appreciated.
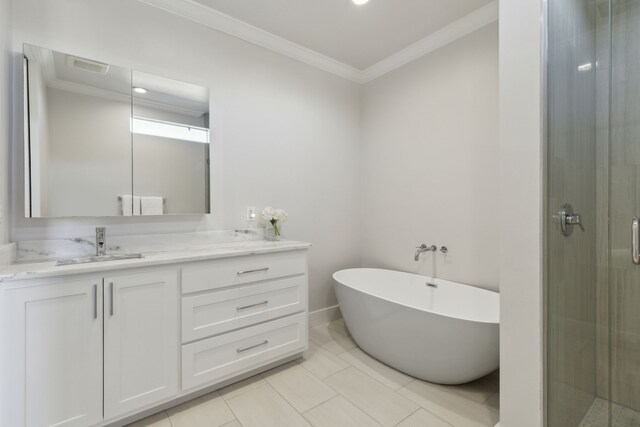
(421, 309)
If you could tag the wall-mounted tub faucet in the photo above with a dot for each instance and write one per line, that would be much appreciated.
(101, 241)
(424, 248)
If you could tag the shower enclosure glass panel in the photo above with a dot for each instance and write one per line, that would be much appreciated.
(592, 286)
(571, 186)
(624, 204)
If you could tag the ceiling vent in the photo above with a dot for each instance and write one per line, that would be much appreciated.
(87, 65)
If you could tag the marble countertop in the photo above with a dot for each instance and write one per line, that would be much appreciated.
(44, 269)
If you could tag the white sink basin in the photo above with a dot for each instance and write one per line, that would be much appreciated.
(97, 258)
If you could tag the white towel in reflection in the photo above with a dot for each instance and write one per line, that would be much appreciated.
(126, 205)
(130, 205)
(152, 205)
(137, 205)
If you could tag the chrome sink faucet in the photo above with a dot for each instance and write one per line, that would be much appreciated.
(424, 248)
(101, 241)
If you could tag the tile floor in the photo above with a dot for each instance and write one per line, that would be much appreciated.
(598, 415)
(335, 384)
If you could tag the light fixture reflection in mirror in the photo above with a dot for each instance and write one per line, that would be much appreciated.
(144, 126)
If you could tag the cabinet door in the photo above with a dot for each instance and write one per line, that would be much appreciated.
(52, 354)
(141, 342)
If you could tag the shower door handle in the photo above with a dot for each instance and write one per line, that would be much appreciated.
(635, 240)
(567, 219)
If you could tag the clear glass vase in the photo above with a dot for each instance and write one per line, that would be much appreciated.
(273, 232)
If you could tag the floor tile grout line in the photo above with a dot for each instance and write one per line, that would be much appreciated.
(237, 420)
(458, 394)
(446, 421)
(489, 397)
(338, 394)
(315, 406)
(251, 377)
(289, 403)
(375, 379)
(354, 404)
(390, 367)
(362, 409)
(417, 409)
(420, 407)
(230, 408)
(322, 379)
(497, 411)
(166, 413)
(471, 400)
(348, 337)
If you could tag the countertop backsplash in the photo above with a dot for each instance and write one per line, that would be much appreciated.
(29, 251)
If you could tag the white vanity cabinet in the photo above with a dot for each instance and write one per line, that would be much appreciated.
(94, 349)
(52, 354)
(58, 336)
(239, 314)
(141, 341)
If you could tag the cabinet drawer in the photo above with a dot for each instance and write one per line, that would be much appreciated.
(209, 314)
(219, 358)
(208, 275)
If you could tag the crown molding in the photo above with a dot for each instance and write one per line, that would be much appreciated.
(197, 12)
(204, 15)
(457, 29)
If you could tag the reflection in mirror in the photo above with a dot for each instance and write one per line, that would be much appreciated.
(103, 140)
(170, 126)
(77, 139)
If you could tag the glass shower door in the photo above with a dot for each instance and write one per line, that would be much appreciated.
(571, 211)
(576, 213)
(624, 205)
(592, 278)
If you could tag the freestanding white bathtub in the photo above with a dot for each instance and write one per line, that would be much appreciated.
(446, 334)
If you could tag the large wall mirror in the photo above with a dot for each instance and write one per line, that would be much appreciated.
(104, 140)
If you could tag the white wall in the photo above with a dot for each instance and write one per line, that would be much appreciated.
(89, 162)
(430, 163)
(173, 169)
(288, 134)
(5, 115)
(520, 214)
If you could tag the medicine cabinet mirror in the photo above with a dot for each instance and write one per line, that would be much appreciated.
(103, 140)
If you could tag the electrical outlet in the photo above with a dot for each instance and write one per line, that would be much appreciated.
(251, 214)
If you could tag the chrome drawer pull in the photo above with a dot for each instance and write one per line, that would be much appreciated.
(244, 307)
(635, 241)
(111, 299)
(253, 271)
(241, 350)
(95, 301)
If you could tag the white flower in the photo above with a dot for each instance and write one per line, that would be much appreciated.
(268, 213)
(280, 215)
(272, 214)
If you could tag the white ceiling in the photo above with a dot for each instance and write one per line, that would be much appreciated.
(359, 36)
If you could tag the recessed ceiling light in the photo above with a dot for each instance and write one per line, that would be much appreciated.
(139, 90)
(360, 2)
